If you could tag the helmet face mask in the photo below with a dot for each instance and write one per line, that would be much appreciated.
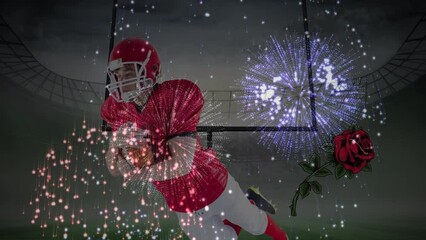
(128, 81)
(133, 69)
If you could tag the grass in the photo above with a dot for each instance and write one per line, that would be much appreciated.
(296, 229)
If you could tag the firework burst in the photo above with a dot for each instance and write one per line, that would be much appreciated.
(277, 92)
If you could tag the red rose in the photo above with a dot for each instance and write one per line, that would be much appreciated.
(353, 150)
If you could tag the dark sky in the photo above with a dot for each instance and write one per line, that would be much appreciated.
(71, 37)
(65, 35)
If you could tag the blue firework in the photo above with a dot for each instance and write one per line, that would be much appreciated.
(277, 91)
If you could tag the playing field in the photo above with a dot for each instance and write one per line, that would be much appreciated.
(296, 228)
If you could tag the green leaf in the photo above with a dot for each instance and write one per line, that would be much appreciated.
(316, 160)
(368, 168)
(328, 148)
(323, 172)
(304, 189)
(316, 187)
(349, 174)
(307, 167)
(339, 171)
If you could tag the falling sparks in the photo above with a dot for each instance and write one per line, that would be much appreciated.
(73, 189)
(277, 91)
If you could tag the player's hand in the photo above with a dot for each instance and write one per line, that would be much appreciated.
(140, 156)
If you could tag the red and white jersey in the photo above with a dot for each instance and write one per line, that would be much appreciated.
(174, 109)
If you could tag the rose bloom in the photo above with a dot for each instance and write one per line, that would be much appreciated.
(353, 149)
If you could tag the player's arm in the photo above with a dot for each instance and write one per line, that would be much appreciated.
(182, 150)
(115, 158)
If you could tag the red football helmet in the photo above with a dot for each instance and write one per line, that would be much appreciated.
(134, 66)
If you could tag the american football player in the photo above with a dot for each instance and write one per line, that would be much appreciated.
(154, 139)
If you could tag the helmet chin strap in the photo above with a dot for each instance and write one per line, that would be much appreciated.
(142, 99)
(130, 96)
